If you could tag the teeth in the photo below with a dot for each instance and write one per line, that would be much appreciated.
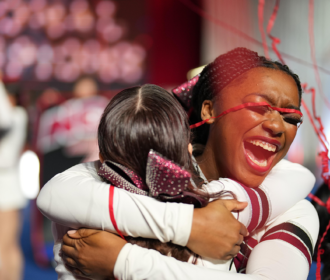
(259, 163)
(264, 145)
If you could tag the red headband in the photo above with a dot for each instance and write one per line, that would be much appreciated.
(245, 105)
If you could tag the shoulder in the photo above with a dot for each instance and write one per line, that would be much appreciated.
(290, 168)
(86, 169)
(303, 216)
(288, 165)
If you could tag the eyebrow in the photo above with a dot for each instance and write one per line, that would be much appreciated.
(271, 100)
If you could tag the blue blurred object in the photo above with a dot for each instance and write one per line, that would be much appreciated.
(312, 272)
(31, 270)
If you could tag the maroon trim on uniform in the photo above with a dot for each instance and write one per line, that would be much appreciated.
(292, 239)
(264, 205)
(255, 208)
(242, 257)
(251, 241)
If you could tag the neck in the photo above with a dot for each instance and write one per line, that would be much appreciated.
(207, 164)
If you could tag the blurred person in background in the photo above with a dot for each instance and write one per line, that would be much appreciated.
(65, 135)
(85, 96)
(11, 196)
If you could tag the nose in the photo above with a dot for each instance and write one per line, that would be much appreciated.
(274, 124)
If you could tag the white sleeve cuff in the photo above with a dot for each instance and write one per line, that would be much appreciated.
(185, 220)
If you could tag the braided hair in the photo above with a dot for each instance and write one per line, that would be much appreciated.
(222, 71)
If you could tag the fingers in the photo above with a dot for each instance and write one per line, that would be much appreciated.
(76, 272)
(240, 240)
(243, 231)
(68, 241)
(233, 253)
(69, 261)
(85, 232)
(234, 205)
(73, 233)
(69, 251)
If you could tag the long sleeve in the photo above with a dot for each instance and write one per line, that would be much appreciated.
(267, 202)
(276, 257)
(135, 263)
(286, 246)
(138, 215)
(78, 198)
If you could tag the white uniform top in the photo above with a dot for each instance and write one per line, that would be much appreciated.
(78, 198)
(11, 145)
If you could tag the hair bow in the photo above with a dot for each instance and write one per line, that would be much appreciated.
(183, 92)
(165, 180)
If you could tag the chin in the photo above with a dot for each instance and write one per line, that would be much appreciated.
(251, 180)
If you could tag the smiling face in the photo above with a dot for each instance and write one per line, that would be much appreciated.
(246, 144)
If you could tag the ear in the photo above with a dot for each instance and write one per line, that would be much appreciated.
(101, 158)
(190, 148)
(207, 111)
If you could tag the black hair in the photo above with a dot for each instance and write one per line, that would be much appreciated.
(222, 71)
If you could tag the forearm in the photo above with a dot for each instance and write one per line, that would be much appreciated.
(82, 201)
(135, 263)
(275, 258)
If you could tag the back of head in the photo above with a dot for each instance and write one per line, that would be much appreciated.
(139, 119)
(222, 72)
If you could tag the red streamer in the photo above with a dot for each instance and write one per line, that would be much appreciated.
(271, 22)
(245, 105)
(261, 28)
(318, 130)
(236, 31)
(275, 41)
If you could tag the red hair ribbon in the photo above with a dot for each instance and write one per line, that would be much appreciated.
(246, 105)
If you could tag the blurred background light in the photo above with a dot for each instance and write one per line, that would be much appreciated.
(29, 169)
(40, 41)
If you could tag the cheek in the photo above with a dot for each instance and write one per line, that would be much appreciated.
(246, 121)
(291, 132)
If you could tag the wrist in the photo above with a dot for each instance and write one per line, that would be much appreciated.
(184, 224)
(196, 227)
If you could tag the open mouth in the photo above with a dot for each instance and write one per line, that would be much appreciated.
(259, 154)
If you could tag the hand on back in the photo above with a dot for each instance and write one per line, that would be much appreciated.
(91, 253)
(215, 232)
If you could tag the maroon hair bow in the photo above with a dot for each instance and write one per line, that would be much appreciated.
(183, 93)
(165, 180)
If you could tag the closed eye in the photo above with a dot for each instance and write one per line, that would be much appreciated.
(294, 119)
(260, 109)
